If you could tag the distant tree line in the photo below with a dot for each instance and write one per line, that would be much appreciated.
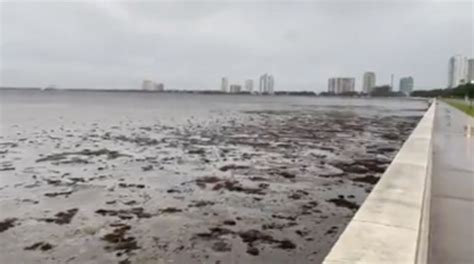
(378, 91)
(460, 91)
(302, 93)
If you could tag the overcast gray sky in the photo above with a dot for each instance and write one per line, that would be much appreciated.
(191, 45)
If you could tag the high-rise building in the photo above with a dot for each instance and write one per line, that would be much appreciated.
(249, 85)
(341, 85)
(458, 71)
(148, 85)
(470, 71)
(224, 85)
(262, 84)
(234, 88)
(391, 82)
(406, 85)
(270, 84)
(159, 87)
(267, 84)
(368, 82)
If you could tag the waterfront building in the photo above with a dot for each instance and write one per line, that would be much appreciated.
(249, 85)
(270, 84)
(262, 84)
(340, 85)
(470, 71)
(148, 85)
(267, 84)
(368, 83)
(458, 71)
(159, 87)
(224, 84)
(235, 88)
(406, 85)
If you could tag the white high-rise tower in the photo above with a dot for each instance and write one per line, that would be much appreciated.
(224, 85)
(470, 71)
(368, 82)
(458, 71)
(249, 85)
(267, 84)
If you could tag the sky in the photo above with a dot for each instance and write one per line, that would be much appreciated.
(193, 44)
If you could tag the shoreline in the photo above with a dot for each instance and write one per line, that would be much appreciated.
(204, 92)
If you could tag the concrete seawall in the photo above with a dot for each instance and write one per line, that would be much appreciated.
(392, 224)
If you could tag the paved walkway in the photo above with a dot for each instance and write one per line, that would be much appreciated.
(452, 204)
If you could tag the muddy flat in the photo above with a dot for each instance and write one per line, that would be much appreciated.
(162, 178)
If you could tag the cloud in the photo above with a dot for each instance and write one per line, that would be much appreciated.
(190, 45)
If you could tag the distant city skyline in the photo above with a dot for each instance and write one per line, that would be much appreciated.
(190, 45)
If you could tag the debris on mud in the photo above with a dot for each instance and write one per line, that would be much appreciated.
(170, 210)
(140, 141)
(110, 154)
(229, 222)
(131, 185)
(125, 214)
(201, 203)
(7, 224)
(118, 239)
(367, 179)
(147, 168)
(214, 232)
(233, 167)
(332, 230)
(286, 174)
(54, 194)
(253, 237)
(43, 246)
(221, 246)
(202, 181)
(254, 182)
(6, 166)
(235, 186)
(342, 202)
(62, 218)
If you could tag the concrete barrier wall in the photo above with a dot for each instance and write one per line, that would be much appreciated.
(391, 225)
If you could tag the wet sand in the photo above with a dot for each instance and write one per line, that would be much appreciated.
(253, 185)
